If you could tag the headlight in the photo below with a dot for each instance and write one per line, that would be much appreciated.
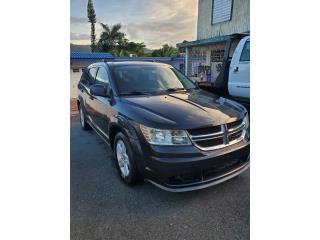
(165, 137)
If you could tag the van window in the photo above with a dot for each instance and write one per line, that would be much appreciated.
(92, 75)
(88, 76)
(84, 78)
(245, 55)
(150, 79)
(93, 72)
(102, 76)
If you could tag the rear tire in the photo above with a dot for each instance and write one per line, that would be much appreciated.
(84, 125)
(124, 159)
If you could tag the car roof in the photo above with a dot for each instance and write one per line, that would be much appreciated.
(130, 63)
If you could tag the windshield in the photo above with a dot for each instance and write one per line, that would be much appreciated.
(149, 79)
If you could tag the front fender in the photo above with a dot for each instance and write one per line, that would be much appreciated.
(128, 128)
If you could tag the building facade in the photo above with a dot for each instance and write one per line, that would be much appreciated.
(220, 22)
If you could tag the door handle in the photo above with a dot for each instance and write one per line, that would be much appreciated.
(236, 69)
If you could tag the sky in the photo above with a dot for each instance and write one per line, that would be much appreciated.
(154, 22)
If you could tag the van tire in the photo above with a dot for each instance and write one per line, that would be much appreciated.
(125, 163)
(84, 125)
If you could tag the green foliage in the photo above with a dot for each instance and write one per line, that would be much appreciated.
(92, 19)
(125, 48)
(109, 37)
(166, 51)
(114, 41)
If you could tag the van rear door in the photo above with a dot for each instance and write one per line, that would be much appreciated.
(239, 71)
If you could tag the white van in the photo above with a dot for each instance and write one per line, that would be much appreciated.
(239, 71)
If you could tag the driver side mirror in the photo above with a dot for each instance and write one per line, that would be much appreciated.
(100, 90)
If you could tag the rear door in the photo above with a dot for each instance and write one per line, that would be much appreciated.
(90, 99)
(84, 90)
(239, 72)
(102, 105)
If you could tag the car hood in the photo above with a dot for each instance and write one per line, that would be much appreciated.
(182, 110)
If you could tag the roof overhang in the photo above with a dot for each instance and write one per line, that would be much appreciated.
(210, 41)
(85, 56)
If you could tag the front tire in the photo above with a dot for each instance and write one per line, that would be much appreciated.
(124, 159)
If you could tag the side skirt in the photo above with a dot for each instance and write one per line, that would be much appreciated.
(100, 133)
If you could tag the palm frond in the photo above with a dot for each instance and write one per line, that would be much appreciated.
(105, 27)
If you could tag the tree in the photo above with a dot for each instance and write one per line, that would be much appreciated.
(166, 51)
(110, 37)
(92, 19)
(126, 47)
(114, 41)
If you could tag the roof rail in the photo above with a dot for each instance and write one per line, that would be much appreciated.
(108, 60)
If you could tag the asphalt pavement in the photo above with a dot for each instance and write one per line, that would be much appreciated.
(102, 207)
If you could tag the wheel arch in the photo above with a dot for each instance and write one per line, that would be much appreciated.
(122, 124)
(113, 130)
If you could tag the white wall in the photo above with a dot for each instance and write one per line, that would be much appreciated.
(74, 79)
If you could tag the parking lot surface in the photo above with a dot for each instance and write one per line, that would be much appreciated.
(102, 207)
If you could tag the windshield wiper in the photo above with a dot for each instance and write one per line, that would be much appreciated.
(135, 93)
(174, 89)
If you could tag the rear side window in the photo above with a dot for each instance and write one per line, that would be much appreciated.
(245, 55)
(84, 78)
(102, 76)
(92, 74)
(88, 76)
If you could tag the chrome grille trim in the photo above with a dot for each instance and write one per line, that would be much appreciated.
(205, 138)
(223, 135)
(208, 136)
(242, 125)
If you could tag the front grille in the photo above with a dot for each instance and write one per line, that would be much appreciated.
(234, 136)
(205, 130)
(234, 124)
(207, 174)
(210, 142)
(214, 137)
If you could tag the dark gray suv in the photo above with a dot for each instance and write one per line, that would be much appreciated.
(162, 127)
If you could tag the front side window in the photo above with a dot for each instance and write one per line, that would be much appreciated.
(245, 55)
(221, 10)
(149, 79)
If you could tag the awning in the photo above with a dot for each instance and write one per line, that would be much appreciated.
(209, 41)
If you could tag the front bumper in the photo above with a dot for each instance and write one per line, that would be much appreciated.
(188, 168)
(203, 184)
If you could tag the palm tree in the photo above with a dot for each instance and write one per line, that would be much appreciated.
(92, 19)
(166, 51)
(126, 47)
(110, 37)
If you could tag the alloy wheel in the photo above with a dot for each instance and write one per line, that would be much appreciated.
(123, 158)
